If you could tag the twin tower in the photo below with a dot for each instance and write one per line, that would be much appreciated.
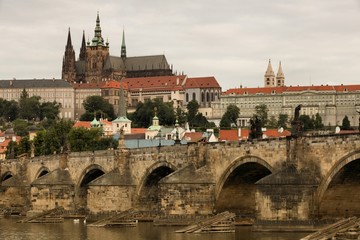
(269, 77)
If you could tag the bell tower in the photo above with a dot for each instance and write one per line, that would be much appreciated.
(68, 68)
(269, 77)
(96, 53)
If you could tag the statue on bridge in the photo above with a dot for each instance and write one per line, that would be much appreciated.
(296, 124)
(255, 128)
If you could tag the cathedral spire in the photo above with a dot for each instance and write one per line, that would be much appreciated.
(98, 39)
(280, 78)
(83, 48)
(69, 44)
(123, 46)
(269, 77)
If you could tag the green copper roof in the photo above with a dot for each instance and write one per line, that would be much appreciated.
(121, 119)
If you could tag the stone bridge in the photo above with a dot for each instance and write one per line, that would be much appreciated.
(298, 179)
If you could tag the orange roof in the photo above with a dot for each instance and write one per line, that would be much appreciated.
(84, 124)
(277, 90)
(113, 84)
(193, 136)
(162, 83)
(138, 130)
(273, 133)
(105, 122)
(229, 135)
(202, 82)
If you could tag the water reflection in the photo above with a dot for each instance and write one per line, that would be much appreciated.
(10, 230)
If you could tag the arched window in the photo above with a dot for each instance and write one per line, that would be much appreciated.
(187, 97)
(202, 97)
(207, 97)
(212, 97)
(194, 96)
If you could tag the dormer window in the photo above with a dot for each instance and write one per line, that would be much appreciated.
(245, 93)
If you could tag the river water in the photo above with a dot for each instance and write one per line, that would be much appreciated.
(10, 230)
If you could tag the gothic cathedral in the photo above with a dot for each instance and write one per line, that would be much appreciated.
(95, 64)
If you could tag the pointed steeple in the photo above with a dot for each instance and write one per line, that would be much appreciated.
(68, 72)
(97, 39)
(280, 78)
(269, 77)
(69, 44)
(83, 48)
(123, 46)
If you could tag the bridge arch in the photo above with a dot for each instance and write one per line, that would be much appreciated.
(147, 192)
(6, 176)
(343, 170)
(89, 174)
(41, 172)
(235, 190)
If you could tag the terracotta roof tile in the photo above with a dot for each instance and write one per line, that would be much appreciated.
(84, 124)
(138, 130)
(164, 83)
(277, 90)
(202, 82)
(193, 136)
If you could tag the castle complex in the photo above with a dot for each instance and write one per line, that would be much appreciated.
(95, 62)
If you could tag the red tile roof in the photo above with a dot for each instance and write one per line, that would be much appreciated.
(277, 90)
(273, 133)
(193, 136)
(113, 84)
(161, 83)
(84, 124)
(229, 135)
(202, 82)
(232, 135)
(138, 130)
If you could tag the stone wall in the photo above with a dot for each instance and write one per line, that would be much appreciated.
(103, 199)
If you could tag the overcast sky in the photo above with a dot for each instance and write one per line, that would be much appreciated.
(317, 41)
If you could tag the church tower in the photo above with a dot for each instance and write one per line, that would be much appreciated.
(83, 48)
(68, 68)
(96, 53)
(123, 47)
(269, 77)
(280, 78)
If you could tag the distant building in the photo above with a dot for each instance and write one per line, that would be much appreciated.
(95, 62)
(331, 102)
(243, 134)
(49, 90)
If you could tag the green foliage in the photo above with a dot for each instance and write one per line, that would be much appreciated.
(192, 109)
(261, 111)
(283, 120)
(308, 123)
(181, 116)
(82, 139)
(318, 122)
(272, 123)
(49, 110)
(11, 150)
(54, 139)
(29, 106)
(20, 127)
(230, 116)
(144, 113)
(9, 110)
(97, 105)
(346, 123)
(24, 146)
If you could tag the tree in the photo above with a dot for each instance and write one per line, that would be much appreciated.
(192, 109)
(24, 146)
(283, 120)
(11, 150)
(261, 111)
(9, 110)
(29, 106)
(230, 116)
(49, 110)
(97, 105)
(180, 116)
(308, 124)
(20, 127)
(272, 123)
(82, 139)
(346, 123)
(318, 122)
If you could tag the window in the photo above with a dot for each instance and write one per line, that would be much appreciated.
(207, 97)
(187, 97)
(202, 97)
(193, 96)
